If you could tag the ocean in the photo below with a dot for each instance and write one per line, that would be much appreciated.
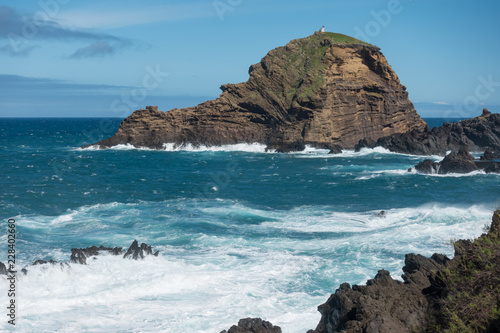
(241, 232)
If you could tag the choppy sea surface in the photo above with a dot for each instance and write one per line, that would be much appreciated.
(241, 232)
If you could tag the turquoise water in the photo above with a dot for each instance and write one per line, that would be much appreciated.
(241, 232)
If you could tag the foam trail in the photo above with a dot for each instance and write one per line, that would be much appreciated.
(243, 147)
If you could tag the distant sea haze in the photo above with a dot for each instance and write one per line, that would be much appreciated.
(241, 232)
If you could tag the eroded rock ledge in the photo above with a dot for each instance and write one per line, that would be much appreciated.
(326, 90)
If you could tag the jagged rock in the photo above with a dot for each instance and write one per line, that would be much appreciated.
(79, 256)
(455, 162)
(492, 168)
(139, 252)
(487, 156)
(253, 325)
(476, 134)
(458, 162)
(485, 113)
(465, 288)
(427, 166)
(43, 262)
(384, 304)
(325, 89)
(3, 269)
(335, 149)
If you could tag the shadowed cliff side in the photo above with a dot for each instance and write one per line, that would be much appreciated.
(324, 90)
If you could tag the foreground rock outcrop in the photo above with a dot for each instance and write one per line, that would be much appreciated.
(436, 295)
(476, 135)
(384, 304)
(253, 325)
(325, 90)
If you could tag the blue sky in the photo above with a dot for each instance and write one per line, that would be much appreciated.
(69, 58)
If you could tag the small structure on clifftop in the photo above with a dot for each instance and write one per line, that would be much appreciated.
(322, 29)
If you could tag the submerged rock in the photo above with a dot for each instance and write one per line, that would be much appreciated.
(325, 89)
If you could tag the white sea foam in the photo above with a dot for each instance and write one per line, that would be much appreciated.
(244, 147)
(274, 267)
(458, 175)
(197, 293)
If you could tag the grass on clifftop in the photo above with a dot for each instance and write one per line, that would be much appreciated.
(340, 38)
(301, 65)
(473, 284)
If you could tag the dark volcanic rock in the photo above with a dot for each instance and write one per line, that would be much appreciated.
(79, 256)
(139, 252)
(3, 269)
(428, 166)
(253, 325)
(325, 89)
(461, 162)
(493, 168)
(475, 134)
(454, 162)
(464, 288)
(384, 304)
(488, 156)
(335, 149)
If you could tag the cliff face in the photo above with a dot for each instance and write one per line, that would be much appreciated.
(324, 90)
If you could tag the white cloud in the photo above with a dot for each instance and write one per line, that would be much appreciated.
(104, 16)
(441, 103)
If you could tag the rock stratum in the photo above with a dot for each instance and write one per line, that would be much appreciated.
(326, 90)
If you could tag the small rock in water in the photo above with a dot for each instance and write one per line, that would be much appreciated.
(253, 325)
(135, 251)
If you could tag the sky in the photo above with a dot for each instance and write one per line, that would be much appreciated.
(71, 58)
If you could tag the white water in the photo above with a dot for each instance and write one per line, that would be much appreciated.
(221, 278)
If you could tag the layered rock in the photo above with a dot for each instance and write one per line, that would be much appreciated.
(323, 90)
(476, 134)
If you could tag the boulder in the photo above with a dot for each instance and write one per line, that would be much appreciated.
(253, 325)
(458, 162)
(455, 162)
